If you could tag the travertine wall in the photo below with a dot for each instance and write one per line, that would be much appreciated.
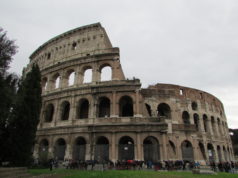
(106, 119)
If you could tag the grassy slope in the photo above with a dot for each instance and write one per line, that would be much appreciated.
(127, 174)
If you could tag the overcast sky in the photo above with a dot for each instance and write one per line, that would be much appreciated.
(192, 43)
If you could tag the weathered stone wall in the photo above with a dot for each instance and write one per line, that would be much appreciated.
(95, 119)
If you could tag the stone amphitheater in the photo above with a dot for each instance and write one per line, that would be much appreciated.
(86, 117)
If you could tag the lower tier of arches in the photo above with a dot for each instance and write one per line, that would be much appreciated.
(131, 146)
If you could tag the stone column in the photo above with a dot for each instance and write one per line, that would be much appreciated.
(96, 74)
(137, 102)
(87, 152)
(178, 149)
(36, 151)
(57, 112)
(114, 105)
(210, 128)
(138, 146)
(164, 140)
(113, 148)
(72, 113)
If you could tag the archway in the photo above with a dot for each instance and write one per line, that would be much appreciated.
(83, 109)
(60, 147)
(126, 148)
(126, 106)
(196, 121)
(101, 153)
(164, 110)
(211, 152)
(185, 117)
(44, 146)
(106, 73)
(148, 108)
(49, 113)
(65, 109)
(79, 149)
(104, 107)
(187, 151)
(151, 149)
(219, 153)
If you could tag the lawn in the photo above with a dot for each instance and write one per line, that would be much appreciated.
(126, 174)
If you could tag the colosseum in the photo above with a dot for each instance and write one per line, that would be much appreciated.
(87, 118)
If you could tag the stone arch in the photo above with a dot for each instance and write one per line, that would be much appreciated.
(205, 122)
(211, 152)
(187, 151)
(194, 106)
(65, 110)
(70, 76)
(219, 126)
(83, 109)
(126, 106)
(56, 79)
(171, 150)
(104, 107)
(196, 121)
(202, 150)
(102, 149)
(44, 83)
(126, 148)
(59, 149)
(148, 108)
(87, 74)
(79, 149)
(105, 72)
(43, 146)
(49, 112)
(164, 110)
(151, 149)
(185, 117)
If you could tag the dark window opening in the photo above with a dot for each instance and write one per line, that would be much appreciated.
(187, 151)
(104, 107)
(48, 55)
(49, 113)
(164, 110)
(74, 45)
(65, 110)
(126, 106)
(194, 106)
(185, 117)
(79, 149)
(205, 122)
(83, 109)
(196, 121)
(151, 149)
(60, 148)
(44, 144)
(102, 150)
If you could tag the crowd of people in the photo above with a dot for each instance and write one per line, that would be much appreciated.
(231, 167)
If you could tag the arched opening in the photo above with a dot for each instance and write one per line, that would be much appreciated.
(164, 110)
(49, 113)
(83, 109)
(171, 150)
(196, 121)
(205, 124)
(79, 149)
(104, 107)
(219, 153)
(44, 84)
(88, 73)
(185, 117)
(106, 73)
(187, 151)
(151, 149)
(194, 106)
(211, 152)
(65, 109)
(126, 148)
(148, 108)
(202, 150)
(219, 126)
(71, 78)
(56, 81)
(102, 149)
(44, 145)
(59, 151)
(126, 107)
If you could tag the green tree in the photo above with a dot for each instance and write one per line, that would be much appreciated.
(26, 117)
(8, 83)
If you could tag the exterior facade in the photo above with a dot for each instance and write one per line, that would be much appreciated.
(116, 119)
